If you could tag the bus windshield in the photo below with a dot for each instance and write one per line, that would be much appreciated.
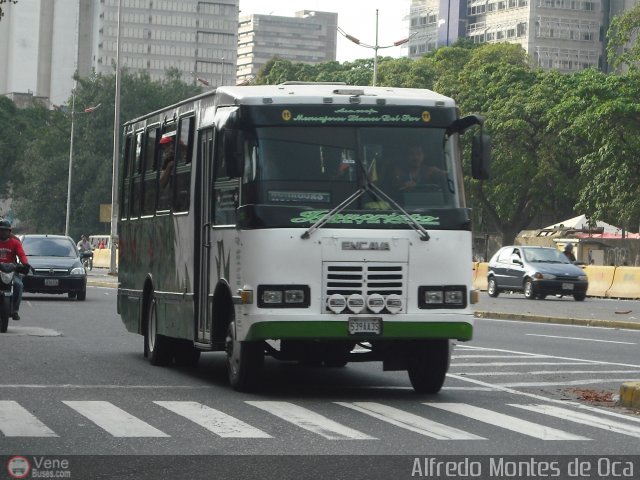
(321, 166)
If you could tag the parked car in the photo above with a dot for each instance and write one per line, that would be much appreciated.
(57, 267)
(535, 271)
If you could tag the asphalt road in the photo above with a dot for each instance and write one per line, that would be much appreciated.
(77, 384)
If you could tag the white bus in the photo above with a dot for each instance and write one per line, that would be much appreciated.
(283, 230)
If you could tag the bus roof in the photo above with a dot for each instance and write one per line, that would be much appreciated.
(322, 93)
(296, 93)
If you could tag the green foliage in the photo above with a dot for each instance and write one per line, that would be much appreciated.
(624, 28)
(561, 142)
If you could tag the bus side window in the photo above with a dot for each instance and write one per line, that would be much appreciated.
(225, 188)
(150, 168)
(127, 160)
(163, 158)
(136, 195)
(183, 165)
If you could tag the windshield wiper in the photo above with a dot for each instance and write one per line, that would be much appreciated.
(367, 187)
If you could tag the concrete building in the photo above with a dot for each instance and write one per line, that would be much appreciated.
(309, 37)
(565, 35)
(38, 48)
(44, 42)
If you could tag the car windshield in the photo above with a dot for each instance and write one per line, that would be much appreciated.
(48, 247)
(544, 255)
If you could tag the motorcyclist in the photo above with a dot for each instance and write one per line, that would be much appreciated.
(10, 249)
(84, 245)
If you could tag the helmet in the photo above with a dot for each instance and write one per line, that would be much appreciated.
(5, 224)
(568, 247)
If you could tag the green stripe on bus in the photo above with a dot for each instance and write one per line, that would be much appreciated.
(338, 330)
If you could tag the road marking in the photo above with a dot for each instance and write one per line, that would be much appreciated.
(214, 420)
(498, 356)
(310, 421)
(577, 405)
(583, 418)
(16, 421)
(566, 382)
(511, 364)
(409, 421)
(506, 421)
(114, 420)
(549, 372)
(578, 338)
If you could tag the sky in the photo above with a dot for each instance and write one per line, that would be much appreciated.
(355, 17)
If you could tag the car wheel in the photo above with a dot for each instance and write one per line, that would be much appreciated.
(529, 292)
(244, 361)
(492, 287)
(428, 363)
(81, 295)
(579, 297)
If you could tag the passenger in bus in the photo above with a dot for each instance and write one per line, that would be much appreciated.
(414, 171)
(167, 144)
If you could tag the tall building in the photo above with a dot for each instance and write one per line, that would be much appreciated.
(38, 48)
(565, 35)
(44, 42)
(309, 37)
(199, 38)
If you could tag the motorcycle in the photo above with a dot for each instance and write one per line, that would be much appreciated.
(86, 256)
(7, 273)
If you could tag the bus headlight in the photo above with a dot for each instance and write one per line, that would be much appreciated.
(283, 296)
(394, 303)
(375, 303)
(442, 296)
(336, 303)
(355, 303)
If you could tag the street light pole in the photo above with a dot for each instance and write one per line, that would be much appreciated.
(73, 108)
(116, 153)
(375, 47)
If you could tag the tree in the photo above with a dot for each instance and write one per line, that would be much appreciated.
(5, 1)
(41, 196)
(624, 29)
(601, 113)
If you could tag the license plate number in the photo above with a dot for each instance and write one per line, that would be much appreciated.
(50, 282)
(567, 286)
(368, 325)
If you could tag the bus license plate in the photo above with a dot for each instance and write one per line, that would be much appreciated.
(50, 282)
(368, 325)
(567, 286)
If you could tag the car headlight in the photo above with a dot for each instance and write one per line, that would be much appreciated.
(582, 278)
(78, 271)
(283, 296)
(544, 276)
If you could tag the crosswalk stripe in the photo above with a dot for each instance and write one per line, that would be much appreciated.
(17, 421)
(310, 421)
(411, 422)
(507, 422)
(583, 418)
(513, 364)
(113, 419)
(214, 420)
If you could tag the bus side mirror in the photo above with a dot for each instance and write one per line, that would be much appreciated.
(232, 152)
(480, 156)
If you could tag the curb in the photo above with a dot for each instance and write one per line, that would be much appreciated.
(630, 394)
(560, 320)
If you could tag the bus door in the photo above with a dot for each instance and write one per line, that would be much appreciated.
(203, 222)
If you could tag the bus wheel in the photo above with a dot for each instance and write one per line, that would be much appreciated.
(428, 363)
(157, 348)
(244, 361)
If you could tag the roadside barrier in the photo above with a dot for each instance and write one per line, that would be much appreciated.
(600, 280)
(480, 277)
(102, 258)
(626, 283)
